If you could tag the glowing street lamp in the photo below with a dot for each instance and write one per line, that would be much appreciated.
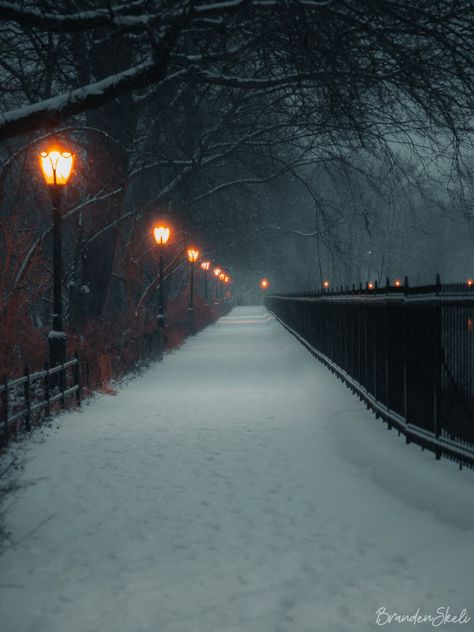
(205, 265)
(161, 234)
(216, 272)
(193, 255)
(264, 284)
(227, 291)
(56, 166)
(370, 285)
(326, 285)
(469, 283)
(222, 276)
(398, 283)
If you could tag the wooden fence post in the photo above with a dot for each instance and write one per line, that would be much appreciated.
(62, 385)
(6, 428)
(46, 390)
(27, 396)
(77, 379)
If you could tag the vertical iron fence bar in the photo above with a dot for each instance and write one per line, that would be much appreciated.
(437, 370)
(386, 353)
(405, 358)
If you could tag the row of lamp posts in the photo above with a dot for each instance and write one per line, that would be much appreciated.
(56, 166)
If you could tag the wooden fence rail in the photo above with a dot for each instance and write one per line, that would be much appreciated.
(36, 396)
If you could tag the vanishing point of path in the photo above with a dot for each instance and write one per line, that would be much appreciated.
(237, 486)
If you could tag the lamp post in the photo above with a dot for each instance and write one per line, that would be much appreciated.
(217, 271)
(193, 256)
(227, 292)
(161, 234)
(264, 285)
(56, 166)
(205, 265)
(221, 279)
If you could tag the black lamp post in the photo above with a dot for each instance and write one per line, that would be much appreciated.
(193, 256)
(205, 265)
(217, 271)
(56, 166)
(161, 234)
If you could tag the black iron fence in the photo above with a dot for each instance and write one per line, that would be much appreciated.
(408, 352)
(35, 396)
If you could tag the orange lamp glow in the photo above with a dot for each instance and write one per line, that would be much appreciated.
(469, 283)
(226, 279)
(162, 234)
(397, 283)
(221, 276)
(56, 166)
(326, 284)
(193, 255)
(217, 271)
(264, 284)
(205, 265)
(370, 285)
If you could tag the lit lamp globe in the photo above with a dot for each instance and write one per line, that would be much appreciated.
(217, 272)
(264, 284)
(56, 166)
(193, 255)
(221, 276)
(205, 265)
(326, 285)
(161, 234)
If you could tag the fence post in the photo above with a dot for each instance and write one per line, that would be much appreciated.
(6, 427)
(27, 396)
(46, 390)
(437, 368)
(77, 379)
(62, 385)
(405, 360)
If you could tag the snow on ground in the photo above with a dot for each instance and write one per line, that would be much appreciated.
(237, 486)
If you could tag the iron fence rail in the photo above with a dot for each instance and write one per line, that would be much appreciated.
(408, 352)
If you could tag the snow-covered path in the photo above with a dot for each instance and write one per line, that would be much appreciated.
(237, 486)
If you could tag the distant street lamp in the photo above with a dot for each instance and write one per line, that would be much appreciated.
(227, 292)
(217, 271)
(56, 166)
(193, 256)
(398, 283)
(326, 284)
(469, 283)
(221, 279)
(205, 265)
(161, 234)
(264, 285)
